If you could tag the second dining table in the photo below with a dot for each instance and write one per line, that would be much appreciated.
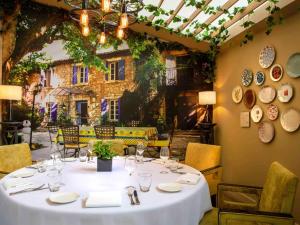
(185, 207)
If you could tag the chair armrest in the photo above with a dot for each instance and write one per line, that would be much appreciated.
(255, 216)
(233, 196)
(210, 170)
(4, 172)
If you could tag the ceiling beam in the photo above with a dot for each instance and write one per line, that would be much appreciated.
(194, 14)
(150, 18)
(211, 19)
(180, 5)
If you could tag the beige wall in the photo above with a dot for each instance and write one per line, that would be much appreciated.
(245, 158)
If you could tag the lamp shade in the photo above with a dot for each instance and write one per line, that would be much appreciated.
(10, 92)
(207, 97)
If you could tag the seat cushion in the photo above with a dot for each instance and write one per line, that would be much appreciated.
(279, 190)
(14, 157)
(210, 218)
(75, 146)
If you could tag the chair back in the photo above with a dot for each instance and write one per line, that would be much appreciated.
(104, 132)
(70, 135)
(14, 157)
(279, 190)
(202, 156)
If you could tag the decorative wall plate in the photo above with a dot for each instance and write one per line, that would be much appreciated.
(285, 93)
(259, 78)
(247, 77)
(290, 120)
(266, 132)
(256, 113)
(249, 98)
(293, 65)
(272, 112)
(266, 57)
(244, 119)
(237, 94)
(267, 94)
(276, 72)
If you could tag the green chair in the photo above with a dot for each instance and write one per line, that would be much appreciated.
(247, 205)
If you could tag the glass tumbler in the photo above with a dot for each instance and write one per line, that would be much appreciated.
(145, 180)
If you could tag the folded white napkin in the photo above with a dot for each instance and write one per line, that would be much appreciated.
(158, 161)
(23, 173)
(104, 199)
(16, 183)
(188, 179)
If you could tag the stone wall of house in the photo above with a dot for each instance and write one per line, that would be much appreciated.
(96, 89)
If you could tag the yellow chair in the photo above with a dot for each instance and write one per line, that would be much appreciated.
(207, 159)
(248, 205)
(14, 157)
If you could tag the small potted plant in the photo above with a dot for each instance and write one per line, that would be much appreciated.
(104, 156)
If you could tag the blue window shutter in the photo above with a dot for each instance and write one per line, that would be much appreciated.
(74, 76)
(121, 69)
(104, 109)
(106, 74)
(86, 75)
(53, 113)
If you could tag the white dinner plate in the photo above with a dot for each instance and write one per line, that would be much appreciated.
(267, 94)
(256, 113)
(290, 120)
(266, 132)
(169, 187)
(285, 93)
(63, 197)
(23, 173)
(71, 159)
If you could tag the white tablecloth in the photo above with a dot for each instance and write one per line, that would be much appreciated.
(157, 208)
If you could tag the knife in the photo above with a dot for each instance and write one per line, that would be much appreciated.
(137, 201)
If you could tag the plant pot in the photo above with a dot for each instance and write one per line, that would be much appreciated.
(104, 165)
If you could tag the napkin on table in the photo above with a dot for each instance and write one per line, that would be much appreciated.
(104, 199)
(188, 178)
(16, 183)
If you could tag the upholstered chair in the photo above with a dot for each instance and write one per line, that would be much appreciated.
(247, 205)
(14, 157)
(207, 159)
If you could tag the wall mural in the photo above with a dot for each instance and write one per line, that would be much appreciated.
(290, 118)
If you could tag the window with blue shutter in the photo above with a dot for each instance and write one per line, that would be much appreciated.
(86, 74)
(121, 70)
(74, 75)
(104, 110)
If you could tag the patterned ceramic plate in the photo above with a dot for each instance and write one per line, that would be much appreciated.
(267, 94)
(259, 78)
(276, 72)
(237, 94)
(290, 120)
(293, 65)
(249, 98)
(285, 93)
(272, 112)
(256, 113)
(266, 57)
(247, 77)
(266, 132)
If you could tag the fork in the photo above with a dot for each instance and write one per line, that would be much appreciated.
(29, 190)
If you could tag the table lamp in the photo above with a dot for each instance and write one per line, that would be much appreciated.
(10, 92)
(207, 98)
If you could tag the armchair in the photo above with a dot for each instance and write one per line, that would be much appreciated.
(207, 159)
(14, 157)
(247, 205)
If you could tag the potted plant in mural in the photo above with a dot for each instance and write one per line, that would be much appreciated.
(104, 156)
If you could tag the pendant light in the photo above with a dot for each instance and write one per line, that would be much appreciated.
(120, 33)
(124, 21)
(102, 38)
(84, 18)
(85, 31)
(105, 5)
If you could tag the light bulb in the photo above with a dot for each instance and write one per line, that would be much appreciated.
(84, 19)
(85, 31)
(124, 21)
(102, 38)
(120, 33)
(105, 5)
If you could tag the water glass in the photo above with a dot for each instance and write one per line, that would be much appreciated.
(54, 178)
(145, 180)
(130, 165)
(82, 156)
(41, 166)
(173, 164)
(164, 153)
(139, 155)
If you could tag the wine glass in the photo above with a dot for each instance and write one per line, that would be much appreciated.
(130, 165)
(140, 148)
(164, 154)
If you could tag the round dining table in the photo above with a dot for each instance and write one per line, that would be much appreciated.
(185, 207)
